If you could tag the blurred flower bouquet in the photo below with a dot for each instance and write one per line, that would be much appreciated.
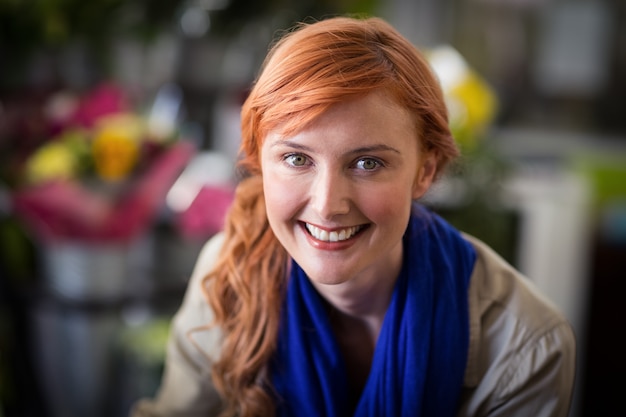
(101, 170)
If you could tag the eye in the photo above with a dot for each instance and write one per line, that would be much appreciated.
(367, 164)
(296, 160)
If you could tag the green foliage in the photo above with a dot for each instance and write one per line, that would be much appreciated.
(147, 343)
(29, 26)
(26, 24)
(17, 253)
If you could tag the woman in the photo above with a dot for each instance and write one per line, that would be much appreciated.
(331, 292)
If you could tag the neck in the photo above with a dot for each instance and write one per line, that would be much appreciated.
(362, 301)
(367, 327)
(364, 304)
(367, 295)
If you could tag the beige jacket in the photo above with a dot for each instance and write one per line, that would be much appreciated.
(521, 359)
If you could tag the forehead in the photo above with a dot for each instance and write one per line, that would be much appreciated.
(375, 116)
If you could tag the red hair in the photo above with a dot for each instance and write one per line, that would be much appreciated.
(308, 70)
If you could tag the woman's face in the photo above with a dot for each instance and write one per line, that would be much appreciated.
(338, 194)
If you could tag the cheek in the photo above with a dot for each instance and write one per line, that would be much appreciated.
(282, 198)
(386, 203)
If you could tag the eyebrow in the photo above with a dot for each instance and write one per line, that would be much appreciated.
(363, 149)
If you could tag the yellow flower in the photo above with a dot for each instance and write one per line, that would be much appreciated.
(472, 103)
(116, 145)
(479, 107)
(54, 160)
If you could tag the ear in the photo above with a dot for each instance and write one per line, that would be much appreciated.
(425, 175)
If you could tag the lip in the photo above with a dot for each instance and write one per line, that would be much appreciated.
(330, 246)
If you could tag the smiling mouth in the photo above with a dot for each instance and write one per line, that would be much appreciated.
(338, 235)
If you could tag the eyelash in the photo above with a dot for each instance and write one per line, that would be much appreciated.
(360, 161)
(289, 160)
(290, 157)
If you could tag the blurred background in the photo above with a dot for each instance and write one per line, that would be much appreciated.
(119, 131)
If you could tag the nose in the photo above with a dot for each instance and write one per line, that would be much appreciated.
(330, 193)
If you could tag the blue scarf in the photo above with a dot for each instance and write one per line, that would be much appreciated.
(421, 353)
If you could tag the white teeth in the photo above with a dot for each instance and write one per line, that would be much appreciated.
(334, 236)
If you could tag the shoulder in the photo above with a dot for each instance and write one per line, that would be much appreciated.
(204, 263)
(207, 256)
(186, 387)
(517, 337)
(194, 315)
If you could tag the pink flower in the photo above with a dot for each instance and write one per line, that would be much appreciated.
(105, 99)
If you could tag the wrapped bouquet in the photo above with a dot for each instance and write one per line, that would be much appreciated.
(103, 170)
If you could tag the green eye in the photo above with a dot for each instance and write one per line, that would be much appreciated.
(367, 164)
(296, 160)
